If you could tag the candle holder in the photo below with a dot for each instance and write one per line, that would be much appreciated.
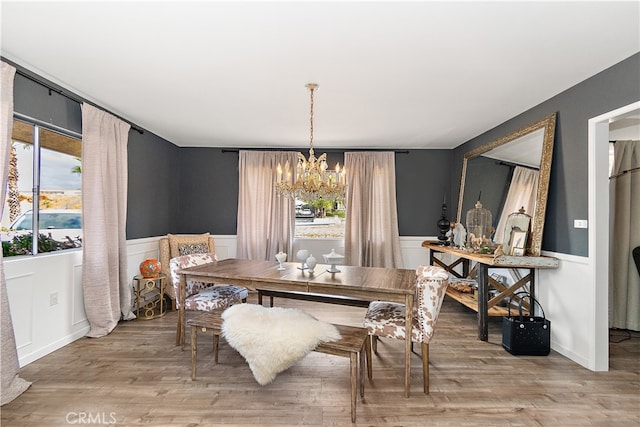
(444, 225)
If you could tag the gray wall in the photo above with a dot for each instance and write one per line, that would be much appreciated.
(192, 190)
(613, 88)
(209, 189)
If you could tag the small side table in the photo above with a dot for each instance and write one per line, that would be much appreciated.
(149, 295)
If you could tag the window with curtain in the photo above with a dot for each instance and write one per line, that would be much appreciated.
(43, 192)
(318, 219)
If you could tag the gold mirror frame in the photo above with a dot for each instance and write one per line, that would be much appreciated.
(549, 125)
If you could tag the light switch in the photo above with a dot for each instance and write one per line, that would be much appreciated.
(580, 223)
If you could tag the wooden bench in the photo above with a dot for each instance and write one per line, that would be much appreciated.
(354, 344)
(306, 296)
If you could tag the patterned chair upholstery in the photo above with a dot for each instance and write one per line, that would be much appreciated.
(201, 296)
(387, 319)
(174, 245)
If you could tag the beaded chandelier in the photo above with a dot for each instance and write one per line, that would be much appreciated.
(312, 178)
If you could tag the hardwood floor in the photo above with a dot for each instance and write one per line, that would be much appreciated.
(137, 376)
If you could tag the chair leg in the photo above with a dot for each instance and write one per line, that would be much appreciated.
(178, 330)
(374, 343)
(425, 366)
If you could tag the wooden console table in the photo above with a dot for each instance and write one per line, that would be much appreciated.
(484, 306)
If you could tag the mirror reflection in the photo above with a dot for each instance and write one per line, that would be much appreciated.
(510, 173)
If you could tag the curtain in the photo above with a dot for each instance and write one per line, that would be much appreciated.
(624, 196)
(522, 193)
(371, 236)
(266, 221)
(12, 385)
(107, 293)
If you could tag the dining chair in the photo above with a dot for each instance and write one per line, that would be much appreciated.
(387, 319)
(201, 296)
(173, 245)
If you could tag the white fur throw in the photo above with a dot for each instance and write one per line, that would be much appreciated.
(273, 339)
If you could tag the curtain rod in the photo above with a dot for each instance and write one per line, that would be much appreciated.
(233, 150)
(625, 172)
(77, 99)
(513, 165)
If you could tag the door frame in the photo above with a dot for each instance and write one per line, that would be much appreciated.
(598, 213)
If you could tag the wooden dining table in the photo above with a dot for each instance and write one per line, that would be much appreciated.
(370, 283)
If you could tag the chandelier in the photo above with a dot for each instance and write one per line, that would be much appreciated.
(312, 178)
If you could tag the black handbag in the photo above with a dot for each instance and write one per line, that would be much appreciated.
(526, 335)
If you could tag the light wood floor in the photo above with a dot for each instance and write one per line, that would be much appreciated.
(136, 376)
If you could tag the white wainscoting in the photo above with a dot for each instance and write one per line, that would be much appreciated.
(42, 328)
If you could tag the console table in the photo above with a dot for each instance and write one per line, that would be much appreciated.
(484, 306)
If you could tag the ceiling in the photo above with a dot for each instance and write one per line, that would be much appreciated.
(391, 74)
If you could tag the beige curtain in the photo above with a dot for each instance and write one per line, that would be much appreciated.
(266, 221)
(107, 293)
(371, 232)
(12, 385)
(624, 195)
(522, 193)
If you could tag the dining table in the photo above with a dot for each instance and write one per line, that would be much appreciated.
(370, 283)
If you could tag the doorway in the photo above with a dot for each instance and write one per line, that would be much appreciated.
(599, 131)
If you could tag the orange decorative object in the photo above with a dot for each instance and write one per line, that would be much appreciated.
(150, 268)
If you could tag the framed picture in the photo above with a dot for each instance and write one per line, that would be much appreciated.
(518, 242)
(517, 222)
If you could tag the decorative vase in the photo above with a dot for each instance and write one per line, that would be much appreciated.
(302, 256)
(311, 263)
(281, 257)
(479, 226)
(150, 268)
(333, 259)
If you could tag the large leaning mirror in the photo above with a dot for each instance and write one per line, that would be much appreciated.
(508, 173)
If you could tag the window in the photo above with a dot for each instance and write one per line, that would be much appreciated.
(320, 219)
(44, 177)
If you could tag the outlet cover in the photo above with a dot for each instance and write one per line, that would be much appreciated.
(53, 298)
(580, 223)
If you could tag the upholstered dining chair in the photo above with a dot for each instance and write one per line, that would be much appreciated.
(200, 296)
(387, 319)
(174, 245)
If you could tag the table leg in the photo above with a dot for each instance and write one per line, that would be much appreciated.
(483, 295)
(407, 344)
(532, 288)
(181, 312)
(353, 367)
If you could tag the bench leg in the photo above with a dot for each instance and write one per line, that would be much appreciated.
(216, 341)
(354, 384)
(361, 369)
(367, 347)
(259, 297)
(194, 350)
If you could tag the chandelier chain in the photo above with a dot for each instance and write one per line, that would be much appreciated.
(312, 88)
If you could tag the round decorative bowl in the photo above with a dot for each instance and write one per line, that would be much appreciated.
(150, 268)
